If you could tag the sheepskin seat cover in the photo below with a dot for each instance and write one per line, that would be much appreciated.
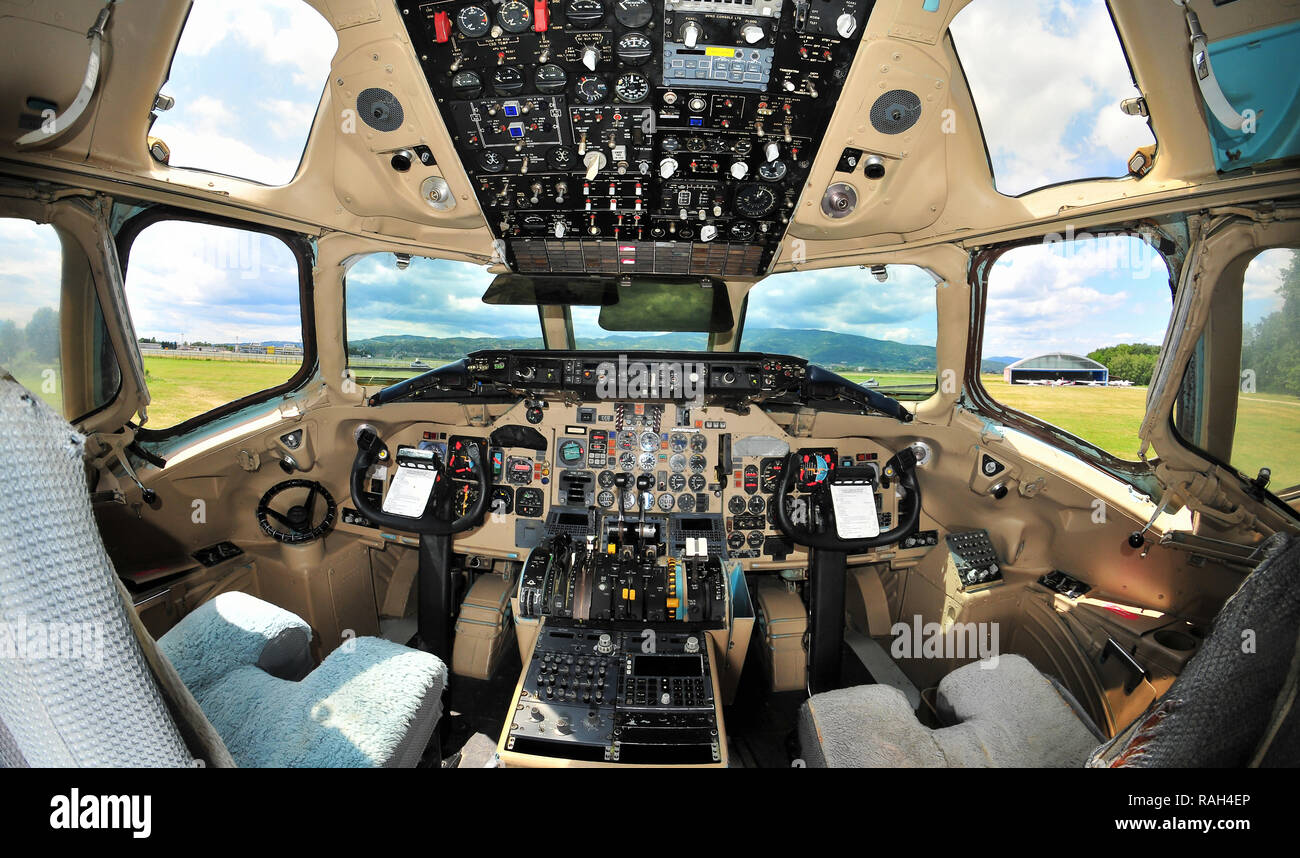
(370, 703)
(1006, 714)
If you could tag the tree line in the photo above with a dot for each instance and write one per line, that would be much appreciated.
(37, 341)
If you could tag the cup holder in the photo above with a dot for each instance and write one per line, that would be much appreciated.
(1175, 640)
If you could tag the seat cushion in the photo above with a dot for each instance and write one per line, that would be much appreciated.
(1004, 713)
(370, 703)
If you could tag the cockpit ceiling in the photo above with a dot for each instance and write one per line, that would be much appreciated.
(638, 136)
(682, 137)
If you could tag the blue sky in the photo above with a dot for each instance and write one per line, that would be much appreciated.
(248, 76)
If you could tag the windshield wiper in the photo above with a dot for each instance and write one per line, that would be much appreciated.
(824, 384)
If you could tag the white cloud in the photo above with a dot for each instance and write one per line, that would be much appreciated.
(285, 32)
(1047, 82)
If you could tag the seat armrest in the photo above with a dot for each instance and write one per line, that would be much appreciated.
(236, 630)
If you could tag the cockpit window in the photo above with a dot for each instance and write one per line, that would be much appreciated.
(404, 321)
(247, 78)
(1047, 78)
(1072, 329)
(874, 326)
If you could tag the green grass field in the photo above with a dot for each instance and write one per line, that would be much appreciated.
(182, 388)
(1268, 428)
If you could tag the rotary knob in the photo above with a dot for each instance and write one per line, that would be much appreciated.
(605, 645)
(708, 232)
(752, 33)
(846, 25)
(771, 151)
(692, 644)
(667, 167)
(590, 56)
(564, 726)
(691, 34)
(739, 170)
(536, 714)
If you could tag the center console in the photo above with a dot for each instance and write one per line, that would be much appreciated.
(622, 668)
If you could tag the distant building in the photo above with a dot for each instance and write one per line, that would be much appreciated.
(1056, 367)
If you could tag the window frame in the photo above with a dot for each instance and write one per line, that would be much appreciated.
(304, 254)
(1135, 472)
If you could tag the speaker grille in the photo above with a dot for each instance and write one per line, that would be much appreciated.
(895, 111)
(380, 109)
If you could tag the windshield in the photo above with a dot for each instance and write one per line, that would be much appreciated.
(403, 321)
(877, 327)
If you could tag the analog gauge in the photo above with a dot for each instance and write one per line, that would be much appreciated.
(550, 78)
(677, 463)
(755, 539)
(742, 230)
(606, 479)
(665, 501)
(502, 500)
(529, 501)
(629, 500)
(742, 147)
(473, 22)
(677, 442)
(627, 440)
(736, 540)
(570, 453)
(646, 461)
(632, 88)
(507, 80)
(647, 501)
(466, 495)
(514, 17)
(591, 89)
(814, 468)
(686, 503)
(462, 458)
(491, 162)
(736, 505)
(627, 461)
(696, 144)
(676, 482)
(773, 171)
(754, 200)
(605, 499)
(699, 442)
(696, 482)
(670, 145)
(769, 471)
(633, 13)
(584, 14)
(519, 470)
(698, 463)
(757, 505)
(648, 441)
(561, 158)
(633, 49)
(466, 84)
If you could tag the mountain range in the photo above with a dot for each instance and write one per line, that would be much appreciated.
(846, 352)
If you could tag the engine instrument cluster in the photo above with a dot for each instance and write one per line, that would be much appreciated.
(637, 136)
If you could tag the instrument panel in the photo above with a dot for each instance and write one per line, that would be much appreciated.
(639, 136)
(678, 470)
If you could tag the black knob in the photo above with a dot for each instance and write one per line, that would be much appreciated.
(149, 496)
(401, 161)
(999, 491)
(1136, 539)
